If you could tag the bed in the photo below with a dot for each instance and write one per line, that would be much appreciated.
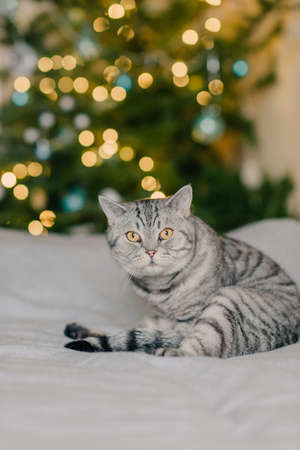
(52, 397)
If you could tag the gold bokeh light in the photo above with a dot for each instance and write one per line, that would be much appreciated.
(145, 80)
(116, 11)
(22, 84)
(100, 93)
(45, 64)
(47, 85)
(127, 153)
(118, 93)
(89, 158)
(35, 228)
(213, 24)
(110, 135)
(181, 81)
(190, 37)
(57, 62)
(69, 62)
(81, 85)
(179, 69)
(21, 191)
(20, 170)
(108, 149)
(128, 4)
(216, 87)
(146, 163)
(100, 24)
(35, 169)
(86, 138)
(47, 217)
(65, 84)
(203, 98)
(214, 2)
(158, 194)
(8, 179)
(149, 183)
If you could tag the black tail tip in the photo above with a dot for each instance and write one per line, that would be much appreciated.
(81, 346)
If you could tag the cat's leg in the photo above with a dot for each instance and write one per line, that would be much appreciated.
(140, 339)
(238, 321)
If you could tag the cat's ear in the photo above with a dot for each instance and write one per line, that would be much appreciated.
(113, 210)
(181, 201)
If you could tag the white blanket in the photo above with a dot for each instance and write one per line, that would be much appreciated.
(51, 397)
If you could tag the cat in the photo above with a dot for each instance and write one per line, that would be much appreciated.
(210, 295)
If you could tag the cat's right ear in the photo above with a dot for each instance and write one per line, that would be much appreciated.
(113, 210)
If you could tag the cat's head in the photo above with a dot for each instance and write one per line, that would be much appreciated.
(151, 237)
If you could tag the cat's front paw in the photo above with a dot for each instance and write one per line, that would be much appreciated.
(83, 346)
(76, 331)
(168, 352)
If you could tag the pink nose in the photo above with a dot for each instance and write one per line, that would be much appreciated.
(151, 252)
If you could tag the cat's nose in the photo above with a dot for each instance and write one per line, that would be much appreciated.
(151, 252)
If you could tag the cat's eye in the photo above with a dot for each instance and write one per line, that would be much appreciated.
(133, 236)
(166, 233)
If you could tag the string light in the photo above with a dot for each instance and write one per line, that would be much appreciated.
(69, 62)
(213, 24)
(216, 87)
(21, 191)
(20, 170)
(57, 62)
(65, 84)
(190, 37)
(35, 169)
(8, 180)
(110, 135)
(100, 24)
(22, 84)
(146, 163)
(118, 93)
(179, 69)
(35, 228)
(148, 183)
(158, 194)
(127, 153)
(181, 81)
(89, 158)
(86, 138)
(145, 80)
(116, 11)
(45, 64)
(47, 217)
(47, 85)
(81, 85)
(100, 93)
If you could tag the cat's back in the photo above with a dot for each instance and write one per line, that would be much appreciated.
(249, 267)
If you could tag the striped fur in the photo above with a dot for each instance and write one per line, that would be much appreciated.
(211, 295)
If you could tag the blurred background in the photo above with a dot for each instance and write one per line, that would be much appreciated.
(134, 99)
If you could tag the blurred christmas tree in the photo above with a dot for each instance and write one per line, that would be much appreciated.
(136, 98)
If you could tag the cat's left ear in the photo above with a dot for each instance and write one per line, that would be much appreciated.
(113, 210)
(182, 200)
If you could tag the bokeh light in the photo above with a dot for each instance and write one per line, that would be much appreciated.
(8, 179)
(100, 24)
(65, 84)
(100, 93)
(35, 228)
(124, 63)
(148, 183)
(57, 62)
(181, 81)
(128, 4)
(190, 37)
(179, 69)
(213, 24)
(116, 11)
(127, 153)
(203, 98)
(22, 84)
(20, 170)
(145, 80)
(86, 138)
(21, 191)
(110, 135)
(240, 68)
(89, 158)
(47, 85)
(47, 217)
(216, 87)
(35, 169)
(126, 32)
(45, 64)
(118, 93)
(69, 62)
(81, 85)
(146, 163)
(158, 194)
(214, 2)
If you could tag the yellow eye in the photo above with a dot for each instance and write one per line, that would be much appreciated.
(133, 236)
(166, 233)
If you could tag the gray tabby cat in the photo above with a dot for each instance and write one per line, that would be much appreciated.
(211, 295)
